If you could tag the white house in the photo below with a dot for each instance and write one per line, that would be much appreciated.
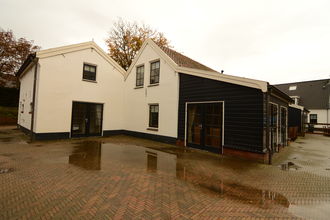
(313, 95)
(79, 90)
(65, 91)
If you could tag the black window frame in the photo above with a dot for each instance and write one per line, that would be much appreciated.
(153, 115)
(313, 120)
(89, 75)
(154, 72)
(139, 82)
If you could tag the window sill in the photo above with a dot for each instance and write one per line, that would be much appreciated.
(152, 129)
(138, 87)
(87, 80)
(155, 84)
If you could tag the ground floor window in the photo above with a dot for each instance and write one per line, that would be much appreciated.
(313, 118)
(153, 115)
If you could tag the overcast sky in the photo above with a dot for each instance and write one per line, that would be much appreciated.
(274, 40)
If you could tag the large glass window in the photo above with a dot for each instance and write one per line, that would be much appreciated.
(154, 72)
(139, 76)
(89, 72)
(153, 115)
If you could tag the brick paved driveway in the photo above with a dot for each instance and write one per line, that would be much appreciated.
(122, 177)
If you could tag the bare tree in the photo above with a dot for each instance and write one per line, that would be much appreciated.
(126, 38)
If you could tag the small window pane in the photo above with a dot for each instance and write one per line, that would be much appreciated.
(89, 72)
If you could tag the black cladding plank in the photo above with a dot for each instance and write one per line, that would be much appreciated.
(243, 115)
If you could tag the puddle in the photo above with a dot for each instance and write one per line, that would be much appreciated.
(87, 155)
(289, 166)
(39, 145)
(6, 154)
(6, 170)
(93, 155)
(6, 139)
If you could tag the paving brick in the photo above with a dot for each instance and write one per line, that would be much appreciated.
(111, 178)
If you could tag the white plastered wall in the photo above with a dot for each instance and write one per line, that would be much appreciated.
(60, 82)
(323, 116)
(25, 98)
(166, 94)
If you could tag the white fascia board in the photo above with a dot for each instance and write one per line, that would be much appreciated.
(159, 51)
(257, 84)
(77, 47)
(297, 106)
(136, 58)
(27, 69)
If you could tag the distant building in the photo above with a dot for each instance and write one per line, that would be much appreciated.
(313, 95)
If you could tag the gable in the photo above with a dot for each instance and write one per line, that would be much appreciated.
(147, 54)
(77, 47)
(185, 65)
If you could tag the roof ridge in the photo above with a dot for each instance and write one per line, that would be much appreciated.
(302, 82)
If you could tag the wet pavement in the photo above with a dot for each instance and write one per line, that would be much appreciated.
(122, 177)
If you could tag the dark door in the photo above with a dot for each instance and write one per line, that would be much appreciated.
(283, 126)
(86, 119)
(273, 127)
(204, 126)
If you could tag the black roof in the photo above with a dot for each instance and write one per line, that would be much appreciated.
(312, 94)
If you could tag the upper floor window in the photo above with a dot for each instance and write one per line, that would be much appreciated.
(139, 76)
(313, 118)
(154, 72)
(89, 72)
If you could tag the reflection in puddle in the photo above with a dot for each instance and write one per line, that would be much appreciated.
(87, 156)
(233, 191)
(151, 161)
(95, 155)
(289, 166)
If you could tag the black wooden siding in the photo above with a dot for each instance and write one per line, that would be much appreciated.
(243, 121)
(279, 102)
(294, 117)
